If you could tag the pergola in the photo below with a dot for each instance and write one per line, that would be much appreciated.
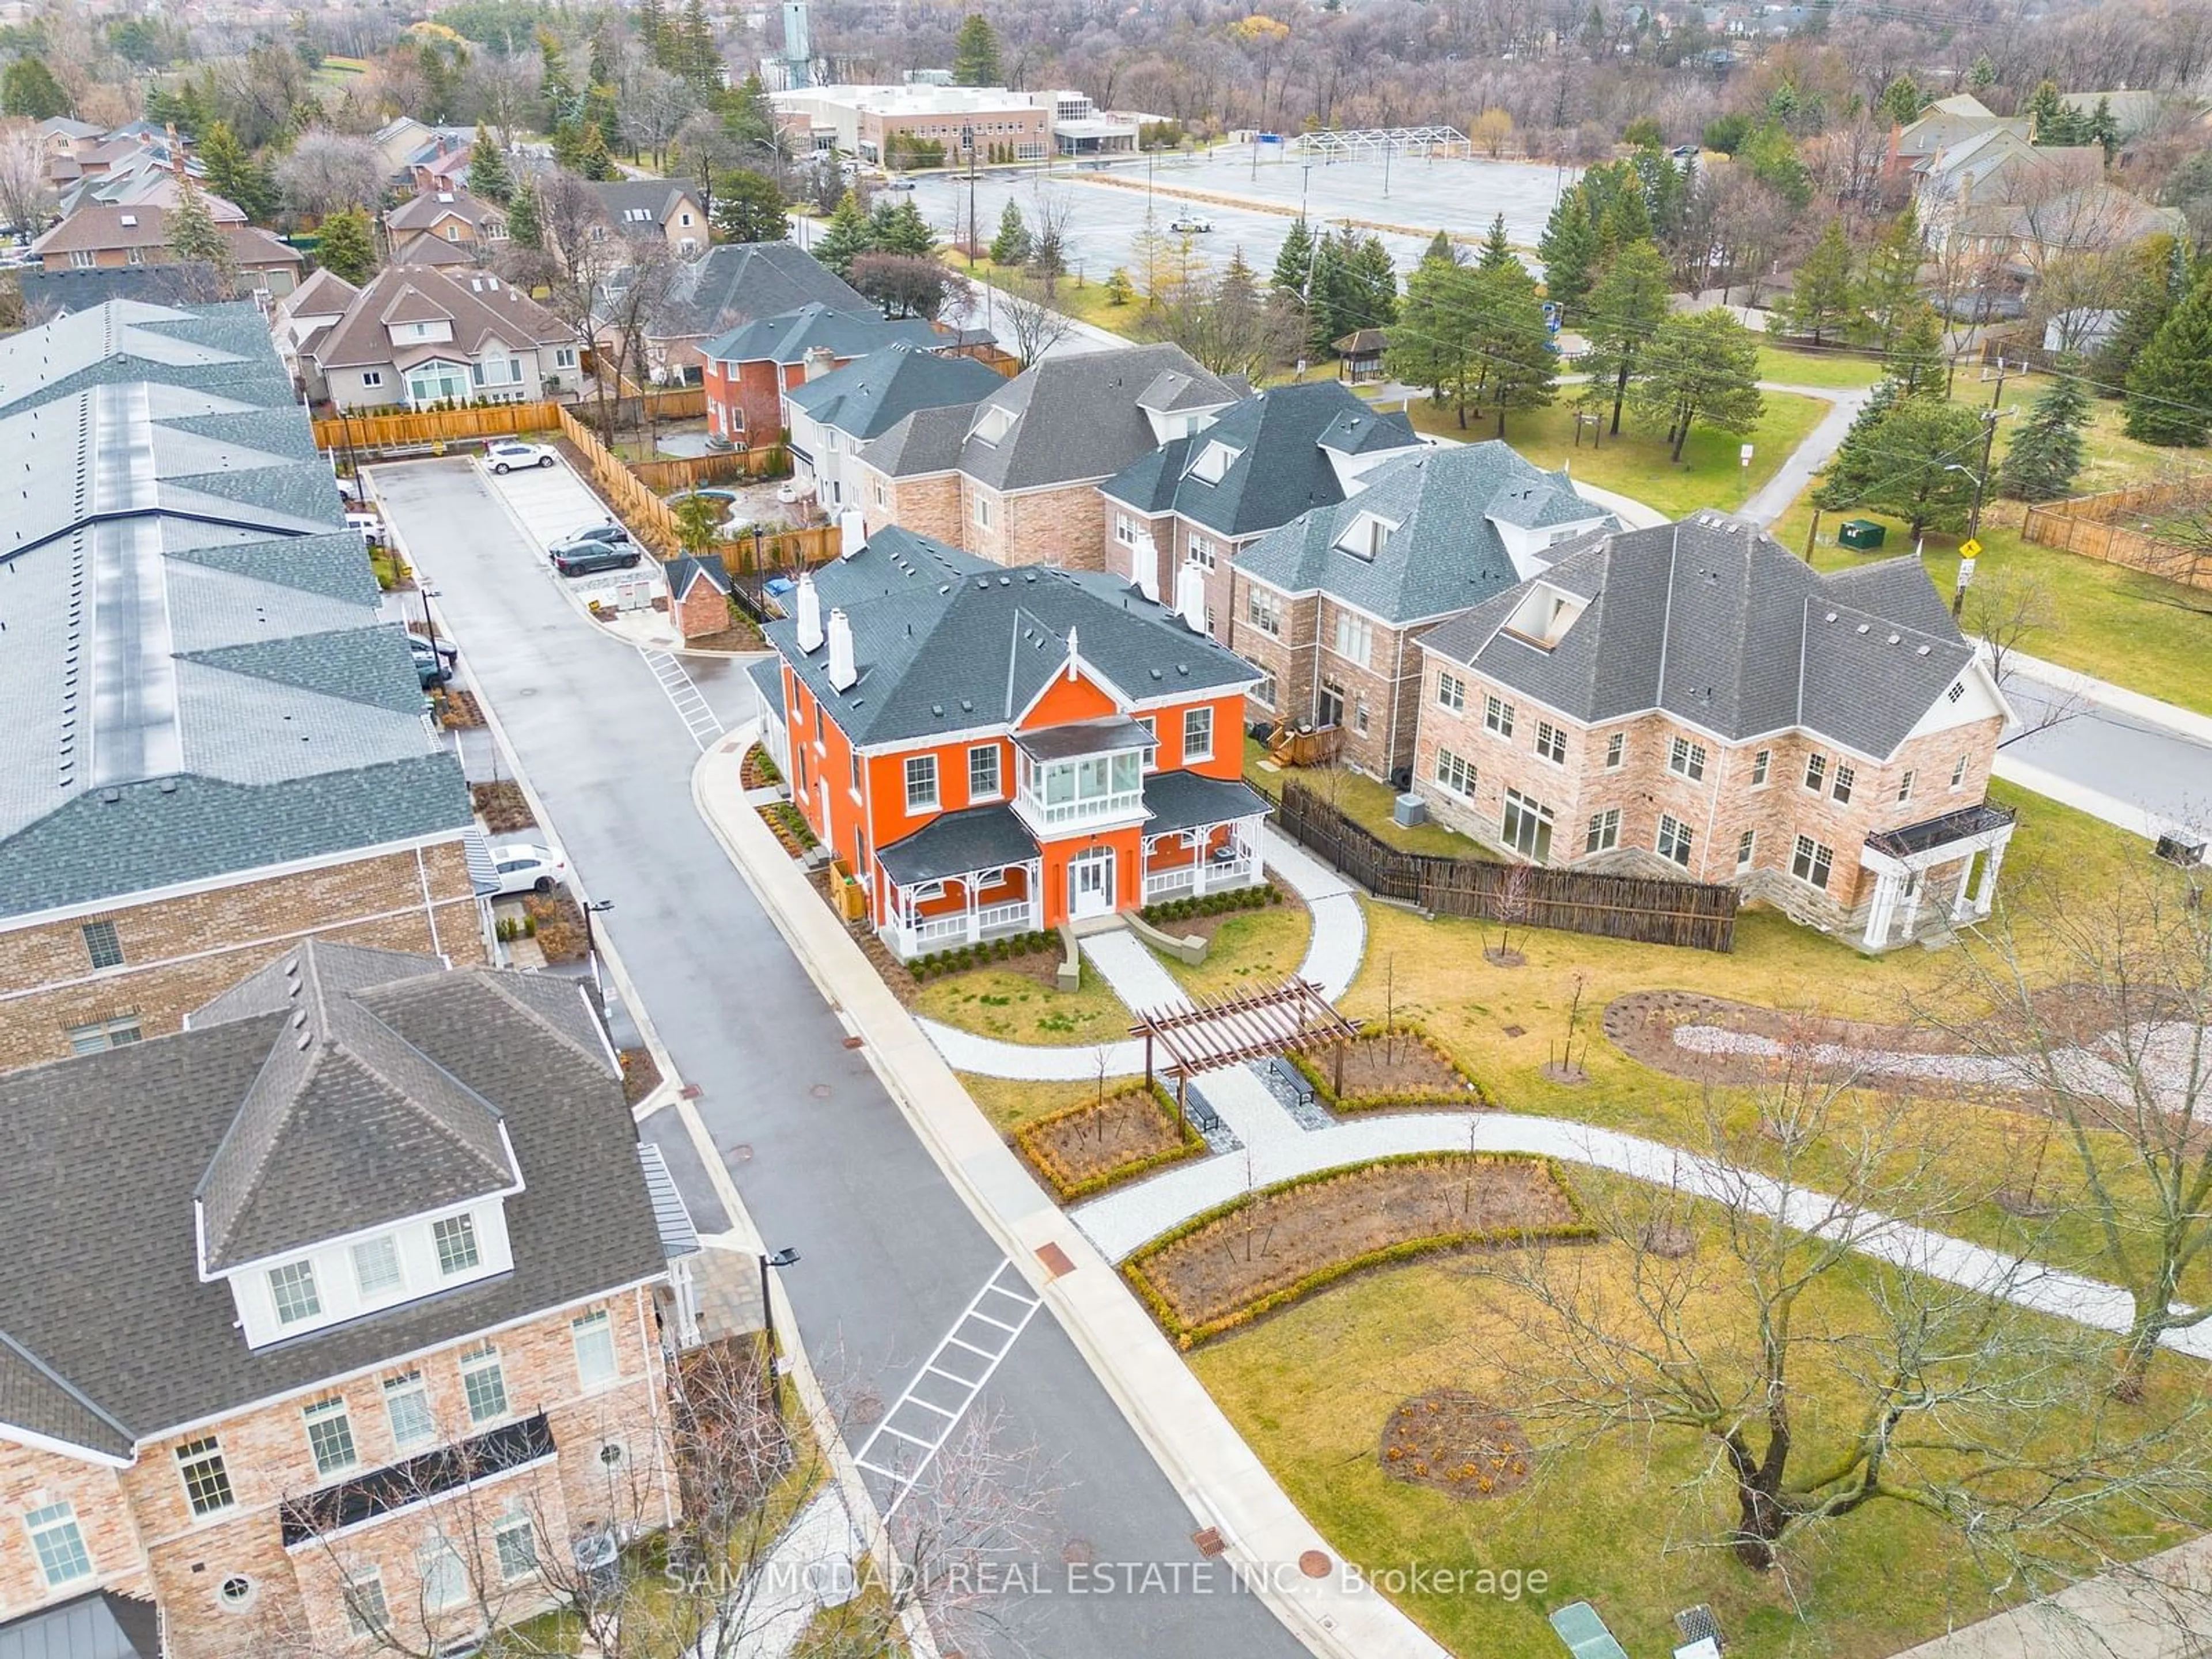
(1367, 143)
(1243, 1025)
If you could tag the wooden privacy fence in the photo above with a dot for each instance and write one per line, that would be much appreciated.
(2086, 524)
(648, 517)
(414, 429)
(665, 476)
(1698, 915)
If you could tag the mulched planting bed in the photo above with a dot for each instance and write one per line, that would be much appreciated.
(1091, 1147)
(1229, 1266)
(1401, 1068)
(640, 1077)
(560, 929)
(1460, 1444)
(790, 827)
(758, 770)
(503, 807)
(458, 710)
(734, 641)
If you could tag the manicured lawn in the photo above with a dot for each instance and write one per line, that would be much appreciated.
(1617, 1520)
(1251, 949)
(1637, 464)
(1009, 1103)
(1086, 301)
(1837, 369)
(994, 1002)
(1368, 800)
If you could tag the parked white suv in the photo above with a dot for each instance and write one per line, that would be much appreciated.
(509, 453)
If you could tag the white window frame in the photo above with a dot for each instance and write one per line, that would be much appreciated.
(981, 512)
(1687, 759)
(1451, 692)
(203, 1455)
(1551, 743)
(1841, 782)
(56, 1525)
(508, 1528)
(997, 787)
(1455, 775)
(1497, 716)
(455, 1237)
(450, 1588)
(293, 1293)
(1905, 785)
(1816, 772)
(1197, 733)
(1761, 764)
(1354, 638)
(1675, 841)
(1263, 610)
(367, 1610)
(1959, 773)
(408, 1386)
(372, 377)
(1149, 760)
(1616, 751)
(1264, 693)
(103, 1035)
(594, 1329)
(920, 775)
(475, 1368)
(1203, 551)
(322, 1414)
(1746, 849)
(1124, 530)
(1807, 857)
(1604, 832)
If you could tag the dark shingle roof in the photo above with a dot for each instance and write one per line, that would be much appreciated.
(1083, 416)
(622, 198)
(1715, 622)
(870, 395)
(685, 571)
(1445, 554)
(954, 843)
(157, 1346)
(1280, 468)
(928, 440)
(1184, 801)
(946, 641)
(787, 338)
(741, 281)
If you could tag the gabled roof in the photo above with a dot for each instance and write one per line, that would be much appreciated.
(429, 249)
(1446, 552)
(786, 339)
(870, 395)
(103, 227)
(928, 440)
(435, 207)
(946, 641)
(323, 294)
(1717, 624)
(686, 572)
(483, 308)
(157, 1346)
(657, 199)
(1083, 417)
(739, 282)
(1279, 471)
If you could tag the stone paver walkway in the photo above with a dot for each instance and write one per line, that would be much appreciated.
(1127, 965)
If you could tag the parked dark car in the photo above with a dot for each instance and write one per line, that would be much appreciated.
(430, 669)
(586, 558)
(609, 534)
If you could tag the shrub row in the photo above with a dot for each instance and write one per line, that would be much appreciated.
(1187, 1337)
(1213, 904)
(510, 930)
(961, 958)
(1322, 1078)
(1066, 1185)
(764, 766)
(783, 815)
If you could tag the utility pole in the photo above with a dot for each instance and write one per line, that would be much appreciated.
(968, 141)
(1971, 547)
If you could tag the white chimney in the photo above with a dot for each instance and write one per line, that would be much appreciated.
(1070, 654)
(843, 670)
(852, 533)
(810, 614)
(1144, 568)
(1190, 596)
(818, 362)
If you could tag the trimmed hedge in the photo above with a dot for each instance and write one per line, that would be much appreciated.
(783, 815)
(1324, 1088)
(1187, 1337)
(1213, 904)
(764, 764)
(988, 952)
(1064, 1183)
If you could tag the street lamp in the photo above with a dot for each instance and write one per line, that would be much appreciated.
(1972, 545)
(968, 143)
(782, 1258)
(594, 908)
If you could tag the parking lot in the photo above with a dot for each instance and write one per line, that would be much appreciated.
(551, 503)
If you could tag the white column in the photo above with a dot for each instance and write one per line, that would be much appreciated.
(1963, 905)
(1985, 895)
(1035, 871)
(1198, 840)
(686, 1297)
(1916, 888)
(1879, 913)
(975, 927)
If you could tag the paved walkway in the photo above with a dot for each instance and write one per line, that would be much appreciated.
(1771, 498)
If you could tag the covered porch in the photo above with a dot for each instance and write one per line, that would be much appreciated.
(963, 878)
(1906, 861)
(1202, 836)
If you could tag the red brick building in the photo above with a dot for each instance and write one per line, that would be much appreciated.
(747, 371)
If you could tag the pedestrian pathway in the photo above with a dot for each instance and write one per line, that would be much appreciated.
(1127, 965)
(1771, 498)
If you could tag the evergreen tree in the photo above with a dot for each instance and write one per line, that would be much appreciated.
(1903, 467)
(1625, 310)
(522, 228)
(488, 176)
(2046, 452)
(592, 160)
(1119, 289)
(846, 237)
(1011, 247)
(1771, 155)
(749, 208)
(1700, 368)
(1441, 246)
(234, 176)
(28, 89)
(1378, 278)
(901, 229)
(700, 60)
(1915, 358)
(2105, 128)
(1508, 338)
(1901, 101)
(1889, 287)
(1425, 346)
(975, 54)
(1294, 265)
(1853, 461)
(1569, 250)
(652, 31)
(191, 232)
(1983, 73)
(347, 247)
(2162, 278)
(1821, 302)
(1496, 253)
(2169, 399)
(2051, 122)
(603, 114)
(555, 85)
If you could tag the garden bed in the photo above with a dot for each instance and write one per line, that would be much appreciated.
(458, 710)
(503, 807)
(1390, 1068)
(790, 827)
(1036, 954)
(640, 1077)
(556, 924)
(1188, 915)
(1083, 1148)
(1462, 1445)
(1225, 1267)
(758, 770)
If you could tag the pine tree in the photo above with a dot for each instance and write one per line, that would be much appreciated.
(603, 114)
(2162, 278)
(1901, 101)
(191, 232)
(846, 237)
(901, 229)
(2169, 398)
(1900, 466)
(652, 31)
(701, 61)
(592, 160)
(488, 176)
(1820, 301)
(1119, 290)
(2105, 128)
(522, 227)
(1294, 265)
(1701, 368)
(1914, 359)
(1508, 336)
(1426, 347)
(749, 208)
(1854, 462)
(28, 89)
(1011, 247)
(1569, 250)
(1889, 287)
(1625, 310)
(1378, 279)
(2046, 452)
(1441, 246)
(234, 174)
(347, 247)
(975, 54)
(1496, 253)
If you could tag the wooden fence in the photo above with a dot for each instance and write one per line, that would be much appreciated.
(667, 476)
(2088, 524)
(1698, 915)
(414, 429)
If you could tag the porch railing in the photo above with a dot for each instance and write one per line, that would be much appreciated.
(1181, 879)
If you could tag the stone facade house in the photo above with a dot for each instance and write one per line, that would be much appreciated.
(832, 415)
(1331, 605)
(747, 371)
(674, 208)
(217, 746)
(1693, 700)
(451, 216)
(1201, 500)
(416, 337)
(394, 1296)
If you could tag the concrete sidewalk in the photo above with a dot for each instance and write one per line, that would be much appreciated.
(1270, 1545)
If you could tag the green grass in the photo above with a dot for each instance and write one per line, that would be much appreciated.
(1085, 300)
(1837, 370)
(1637, 464)
(1368, 800)
(1251, 949)
(995, 1003)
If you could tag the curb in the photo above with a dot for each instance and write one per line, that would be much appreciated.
(1108, 1327)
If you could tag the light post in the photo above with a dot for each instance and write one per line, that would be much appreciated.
(782, 1258)
(1388, 147)
(968, 143)
(594, 908)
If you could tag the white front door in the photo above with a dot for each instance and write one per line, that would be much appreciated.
(1090, 884)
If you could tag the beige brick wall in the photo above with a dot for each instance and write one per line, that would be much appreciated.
(178, 953)
(32, 1479)
(140, 1524)
(1067, 526)
(927, 506)
(1380, 698)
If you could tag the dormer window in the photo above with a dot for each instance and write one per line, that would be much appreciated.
(1214, 462)
(1365, 536)
(292, 1288)
(1544, 616)
(993, 424)
(456, 1238)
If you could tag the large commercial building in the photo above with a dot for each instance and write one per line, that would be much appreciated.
(884, 123)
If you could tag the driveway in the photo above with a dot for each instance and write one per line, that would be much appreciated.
(890, 1256)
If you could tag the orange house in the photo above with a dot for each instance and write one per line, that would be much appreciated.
(993, 752)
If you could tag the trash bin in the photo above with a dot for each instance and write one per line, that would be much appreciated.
(1864, 534)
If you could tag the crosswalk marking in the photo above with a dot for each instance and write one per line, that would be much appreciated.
(697, 714)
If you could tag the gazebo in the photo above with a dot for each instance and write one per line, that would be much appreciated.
(1360, 353)
(1243, 1025)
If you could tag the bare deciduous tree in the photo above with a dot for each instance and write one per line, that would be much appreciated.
(25, 199)
(1035, 324)
(328, 171)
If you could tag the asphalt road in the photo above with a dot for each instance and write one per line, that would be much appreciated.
(2161, 771)
(889, 1255)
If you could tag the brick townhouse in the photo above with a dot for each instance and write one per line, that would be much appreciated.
(1693, 700)
(1203, 498)
(1330, 607)
(747, 371)
(995, 751)
(378, 1328)
(214, 747)
(724, 289)
(831, 415)
(1020, 481)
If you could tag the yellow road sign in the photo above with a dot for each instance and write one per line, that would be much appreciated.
(1970, 549)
